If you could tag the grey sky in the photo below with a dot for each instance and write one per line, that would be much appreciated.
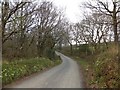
(72, 10)
(71, 7)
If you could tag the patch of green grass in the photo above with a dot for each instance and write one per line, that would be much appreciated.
(82, 62)
(17, 69)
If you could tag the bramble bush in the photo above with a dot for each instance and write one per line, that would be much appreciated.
(106, 69)
(17, 69)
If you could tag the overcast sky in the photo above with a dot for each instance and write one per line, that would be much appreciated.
(72, 8)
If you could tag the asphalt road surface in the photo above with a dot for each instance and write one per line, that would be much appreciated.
(65, 75)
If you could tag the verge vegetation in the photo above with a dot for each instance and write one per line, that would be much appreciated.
(18, 69)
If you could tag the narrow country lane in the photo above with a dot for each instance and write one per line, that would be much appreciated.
(65, 75)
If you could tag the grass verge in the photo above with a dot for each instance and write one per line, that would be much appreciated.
(14, 70)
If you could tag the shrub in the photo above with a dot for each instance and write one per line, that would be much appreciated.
(50, 53)
(106, 69)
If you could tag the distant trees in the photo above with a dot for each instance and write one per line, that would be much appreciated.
(95, 29)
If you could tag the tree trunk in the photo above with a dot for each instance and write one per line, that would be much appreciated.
(76, 45)
(39, 51)
(115, 31)
(3, 24)
(71, 49)
(115, 23)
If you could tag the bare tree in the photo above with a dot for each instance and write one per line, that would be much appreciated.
(110, 8)
(94, 29)
(68, 35)
(48, 18)
(7, 11)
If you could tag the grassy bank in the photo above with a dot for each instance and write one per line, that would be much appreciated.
(17, 69)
